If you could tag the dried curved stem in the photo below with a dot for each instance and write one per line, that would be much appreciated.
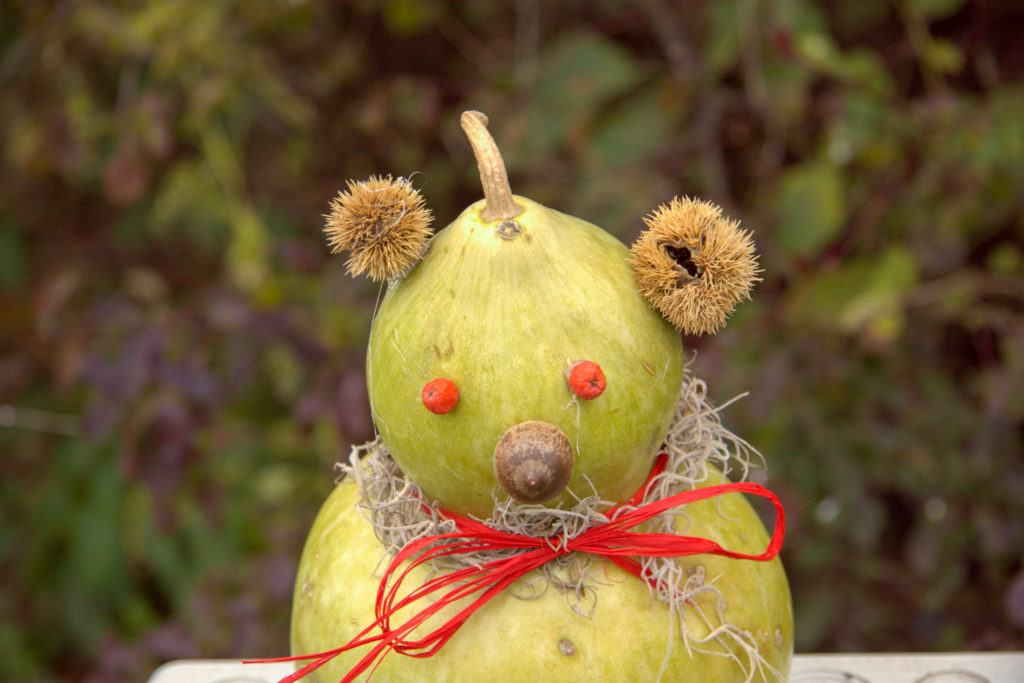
(498, 202)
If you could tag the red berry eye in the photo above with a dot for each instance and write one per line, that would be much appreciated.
(440, 395)
(586, 379)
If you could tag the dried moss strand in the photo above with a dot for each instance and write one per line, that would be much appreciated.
(498, 202)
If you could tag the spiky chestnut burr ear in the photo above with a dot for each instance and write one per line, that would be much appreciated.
(383, 224)
(693, 264)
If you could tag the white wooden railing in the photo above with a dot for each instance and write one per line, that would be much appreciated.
(954, 667)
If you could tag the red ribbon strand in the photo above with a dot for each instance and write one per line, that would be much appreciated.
(614, 541)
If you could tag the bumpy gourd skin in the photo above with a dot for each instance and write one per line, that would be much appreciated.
(512, 639)
(504, 319)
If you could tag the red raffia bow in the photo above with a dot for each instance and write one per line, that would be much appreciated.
(613, 541)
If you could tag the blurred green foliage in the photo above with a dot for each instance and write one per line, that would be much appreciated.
(180, 364)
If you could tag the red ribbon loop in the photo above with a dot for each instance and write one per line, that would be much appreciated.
(614, 541)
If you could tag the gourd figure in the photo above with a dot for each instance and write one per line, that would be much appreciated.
(525, 369)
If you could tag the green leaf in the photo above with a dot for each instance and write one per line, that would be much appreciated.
(799, 16)
(862, 130)
(723, 41)
(13, 270)
(1006, 259)
(285, 373)
(405, 17)
(187, 202)
(617, 200)
(576, 74)
(863, 294)
(880, 299)
(859, 66)
(1002, 144)
(930, 10)
(633, 131)
(16, 655)
(789, 83)
(248, 252)
(943, 56)
(811, 207)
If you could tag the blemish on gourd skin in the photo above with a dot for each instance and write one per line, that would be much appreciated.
(695, 577)
(306, 594)
(508, 230)
(443, 354)
(398, 349)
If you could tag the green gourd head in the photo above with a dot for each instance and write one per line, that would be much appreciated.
(524, 353)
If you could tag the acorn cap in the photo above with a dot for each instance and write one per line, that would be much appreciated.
(533, 461)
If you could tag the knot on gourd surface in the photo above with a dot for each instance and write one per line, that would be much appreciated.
(533, 461)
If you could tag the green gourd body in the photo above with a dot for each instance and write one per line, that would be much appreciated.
(504, 319)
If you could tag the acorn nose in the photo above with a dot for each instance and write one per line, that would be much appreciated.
(533, 461)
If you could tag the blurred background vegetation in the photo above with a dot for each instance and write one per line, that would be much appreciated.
(181, 363)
